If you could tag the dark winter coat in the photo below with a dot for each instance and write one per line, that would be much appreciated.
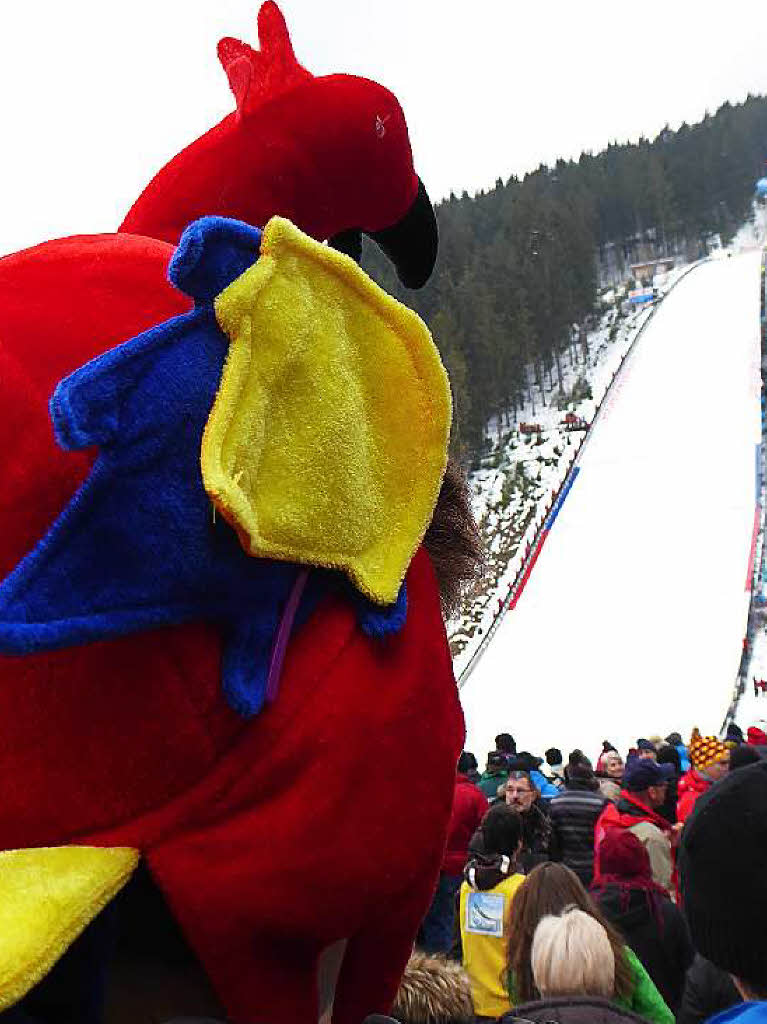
(469, 807)
(707, 990)
(536, 849)
(670, 755)
(662, 941)
(571, 1010)
(536, 836)
(574, 814)
(667, 809)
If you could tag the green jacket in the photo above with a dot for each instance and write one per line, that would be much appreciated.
(489, 783)
(644, 998)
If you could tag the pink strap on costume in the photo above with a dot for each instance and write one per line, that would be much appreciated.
(283, 635)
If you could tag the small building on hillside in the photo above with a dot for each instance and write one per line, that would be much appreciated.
(645, 272)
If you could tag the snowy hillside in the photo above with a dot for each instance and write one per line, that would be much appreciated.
(519, 476)
(632, 622)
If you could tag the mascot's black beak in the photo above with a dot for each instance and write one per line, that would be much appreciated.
(349, 242)
(411, 244)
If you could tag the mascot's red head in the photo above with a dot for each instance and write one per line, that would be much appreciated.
(331, 154)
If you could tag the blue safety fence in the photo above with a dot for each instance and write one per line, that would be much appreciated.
(569, 481)
(758, 456)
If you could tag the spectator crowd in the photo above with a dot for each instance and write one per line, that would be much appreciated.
(600, 893)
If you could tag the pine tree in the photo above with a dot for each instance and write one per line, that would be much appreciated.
(518, 264)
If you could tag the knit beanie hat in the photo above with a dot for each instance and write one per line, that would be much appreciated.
(505, 741)
(670, 755)
(497, 759)
(581, 772)
(756, 737)
(642, 773)
(743, 755)
(622, 855)
(705, 750)
(725, 907)
(524, 761)
(734, 734)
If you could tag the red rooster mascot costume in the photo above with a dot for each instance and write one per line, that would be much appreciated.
(209, 677)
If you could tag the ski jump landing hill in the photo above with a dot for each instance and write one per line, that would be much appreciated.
(632, 620)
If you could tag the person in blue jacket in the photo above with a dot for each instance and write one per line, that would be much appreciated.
(675, 740)
(526, 762)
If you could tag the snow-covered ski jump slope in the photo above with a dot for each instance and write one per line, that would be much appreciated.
(633, 618)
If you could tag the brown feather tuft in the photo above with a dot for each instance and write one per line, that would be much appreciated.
(452, 539)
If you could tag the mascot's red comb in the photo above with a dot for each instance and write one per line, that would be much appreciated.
(330, 153)
(257, 76)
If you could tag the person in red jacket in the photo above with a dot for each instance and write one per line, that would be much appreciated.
(644, 788)
(469, 807)
(710, 761)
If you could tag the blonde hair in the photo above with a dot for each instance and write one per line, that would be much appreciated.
(571, 955)
(434, 990)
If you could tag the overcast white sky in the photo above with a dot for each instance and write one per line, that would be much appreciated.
(96, 94)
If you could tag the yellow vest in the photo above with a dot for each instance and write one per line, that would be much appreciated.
(484, 934)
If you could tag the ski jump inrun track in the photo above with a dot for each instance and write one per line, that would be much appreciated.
(632, 618)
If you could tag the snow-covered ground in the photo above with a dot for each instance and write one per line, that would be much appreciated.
(633, 618)
(754, 232)
(517, 480)
(752, 707)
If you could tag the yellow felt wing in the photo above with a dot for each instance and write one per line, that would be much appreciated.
(47, 898)
(327, 441)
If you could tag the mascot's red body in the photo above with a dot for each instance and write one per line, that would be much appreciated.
(324, 817)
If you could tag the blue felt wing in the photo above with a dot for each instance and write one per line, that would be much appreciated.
(138, 547)
(213, 252)
(380, 622)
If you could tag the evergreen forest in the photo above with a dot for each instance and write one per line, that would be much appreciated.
(517, 279)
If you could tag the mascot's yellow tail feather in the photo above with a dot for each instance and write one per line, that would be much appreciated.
(47, 898)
